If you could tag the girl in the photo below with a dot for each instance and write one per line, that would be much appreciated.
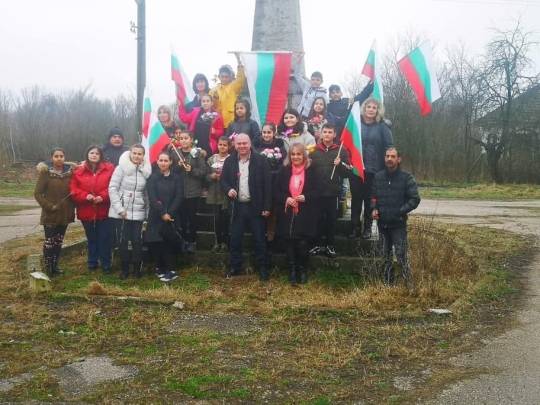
(165, 194)
(201, 88)
(127, 191)
(90, 191)
(293, 130)
(216, 198)
(205, 123)
(297, 213)
(273, 149)
(318, 116)
(166, 118)
(243, 124)
(227, 91)
(376, 138)
(192, 168)
(57, 210)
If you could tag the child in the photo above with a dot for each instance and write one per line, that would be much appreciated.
(325, 159)
(216, 198)
(273, 149)
(293, 130)
(243, 124)
(227, 91)
(312, 89)
(318, 116)
(192, 168)
(205, 123)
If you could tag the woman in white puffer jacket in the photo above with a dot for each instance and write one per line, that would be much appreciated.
(129, 206)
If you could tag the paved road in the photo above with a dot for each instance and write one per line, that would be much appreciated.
(514, 357)
(20, 223)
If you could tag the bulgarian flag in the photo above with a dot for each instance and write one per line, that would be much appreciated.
(351, 138)
(373, 71)
(184, 91)
(154, 137)
(419, 71)
(267, 75)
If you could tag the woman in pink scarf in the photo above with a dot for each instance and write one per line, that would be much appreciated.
(297, 210)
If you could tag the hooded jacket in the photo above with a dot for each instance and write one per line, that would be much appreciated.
(85, 181)
(127, 189)
(225, 95)
(53, 194)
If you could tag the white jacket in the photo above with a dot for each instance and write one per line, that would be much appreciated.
(127, 189)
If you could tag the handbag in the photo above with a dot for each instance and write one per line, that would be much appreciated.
(171, 234)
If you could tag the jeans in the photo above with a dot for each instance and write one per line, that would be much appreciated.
(361, 195)
(242, 217)
(130, 231)
(396, 238)
(52, 245)
(99, 236)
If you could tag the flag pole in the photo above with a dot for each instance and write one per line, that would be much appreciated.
(182, 160)
(338, 153)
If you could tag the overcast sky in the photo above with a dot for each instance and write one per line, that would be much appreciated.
(67, 44)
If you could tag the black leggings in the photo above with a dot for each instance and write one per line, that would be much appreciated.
(164, 255)
(188, 219)
(52, 245)
(298, 252)
(130, 231)
(361, 195)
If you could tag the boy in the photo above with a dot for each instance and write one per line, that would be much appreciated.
(227, 91)
(324, 160)
(339, 108)
(312, 89)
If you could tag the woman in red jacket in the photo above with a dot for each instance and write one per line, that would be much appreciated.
(90, 192)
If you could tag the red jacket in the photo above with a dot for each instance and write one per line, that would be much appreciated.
(190, 119)
(84, 182)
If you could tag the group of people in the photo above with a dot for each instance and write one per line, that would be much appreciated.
(282, 181)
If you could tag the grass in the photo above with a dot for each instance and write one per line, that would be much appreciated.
(341, 338)
(481, 191)
(13, 189)
(8, 209)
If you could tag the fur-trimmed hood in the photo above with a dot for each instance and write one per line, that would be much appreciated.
(129, 167)
(44, 167)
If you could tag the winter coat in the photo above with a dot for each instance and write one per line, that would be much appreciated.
(83, 182)
(315, 124)
(322, 162)
(376, 138)
(196, 102)
(53, 194)
(309, 95)
(260, 182)
(206, 132)
(394, 195)
(165, 194)
(304, 224)
(192, 181)
(112, 153)
(225, 95)
(259, 145)
(215, 194)
(304, 138)
(127, 189)
(249, 127)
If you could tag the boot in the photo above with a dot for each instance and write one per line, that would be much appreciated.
(292, 273)
(137, 269)
(125, 270)
(302, 275)
(56, 271)
(354, 231)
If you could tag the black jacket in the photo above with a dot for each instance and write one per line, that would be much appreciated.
(112, 153)
(249, 127)
(394, 195)
(260, 181)
(275, 164)
(323, 164)
(376, 138)
(165, 194)
(304, 224)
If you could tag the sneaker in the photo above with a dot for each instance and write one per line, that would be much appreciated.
(314, 251)
(168, 277)
(331, 252)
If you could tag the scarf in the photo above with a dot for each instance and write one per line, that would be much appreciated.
(296, 183)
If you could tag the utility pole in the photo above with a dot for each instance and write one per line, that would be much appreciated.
(140, 29)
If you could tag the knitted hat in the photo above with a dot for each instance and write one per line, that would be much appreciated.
(116, 131)
(334, 87)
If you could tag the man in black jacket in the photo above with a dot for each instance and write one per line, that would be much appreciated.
(394, 195)
(246, 180)
(115, 146)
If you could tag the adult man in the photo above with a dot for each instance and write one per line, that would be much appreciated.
(394, 195)
(114, 147)
(246, 180)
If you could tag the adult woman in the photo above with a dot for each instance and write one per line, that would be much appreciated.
(201, 88)
(57, 210)
(166, 118)
(165, 192)
(128, 203)
(376, 138)
(297, 210)
(90, 191)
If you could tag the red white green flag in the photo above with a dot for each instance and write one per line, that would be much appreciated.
(154, 138)
(373, 71)
(418, 69)
(267, 75)
(184, 91)
(351, 137)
